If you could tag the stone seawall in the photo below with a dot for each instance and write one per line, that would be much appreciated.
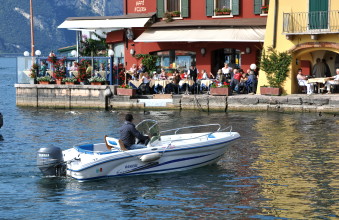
(62, 96)
(290, 103)
(87, 96)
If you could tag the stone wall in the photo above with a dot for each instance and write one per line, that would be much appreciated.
(290, 103)
(62, 96)
(86, 96)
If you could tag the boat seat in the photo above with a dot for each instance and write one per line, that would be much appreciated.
(122, 146)
(119, 145)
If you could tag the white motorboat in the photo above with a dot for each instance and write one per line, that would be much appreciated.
(167, 151)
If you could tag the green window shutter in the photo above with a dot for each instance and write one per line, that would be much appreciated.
(184, 8)
(209, 7)
(160, 8)
(257, 7)
(235, 7)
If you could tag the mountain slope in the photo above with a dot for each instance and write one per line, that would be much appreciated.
(48, 15)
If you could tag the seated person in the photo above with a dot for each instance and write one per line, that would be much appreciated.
(89, 69)
(235, 79)
(334, 80)
(141, 69)
(163, 75)
(252, 83)
(302, 81)
(144, 87)
(242, 83)
(43, 68)
(128, 133)
(133, 72)
(204, 75)
(174, 86)
(220, 76)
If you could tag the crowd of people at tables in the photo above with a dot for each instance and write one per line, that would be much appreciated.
(320, 70)
(72, 68)
(237, 79)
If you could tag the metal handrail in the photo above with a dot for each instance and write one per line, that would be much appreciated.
(195, 126)
(311, 22)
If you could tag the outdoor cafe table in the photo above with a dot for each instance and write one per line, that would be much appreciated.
(206, 82)
(162, 83)
(137, 83)
(318, 81)
(187, 81)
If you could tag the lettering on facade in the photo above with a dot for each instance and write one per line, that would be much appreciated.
(140, 6)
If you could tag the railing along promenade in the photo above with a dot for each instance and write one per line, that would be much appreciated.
(311, 22)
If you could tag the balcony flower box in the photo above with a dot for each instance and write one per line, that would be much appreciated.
(96, 80)
(126, 92)
(221, 91)
(264, 9)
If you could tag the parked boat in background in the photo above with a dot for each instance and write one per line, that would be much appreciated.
(167, 151)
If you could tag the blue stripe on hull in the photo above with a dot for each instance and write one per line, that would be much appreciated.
(162, 170)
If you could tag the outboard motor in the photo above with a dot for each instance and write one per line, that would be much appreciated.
(50, 161)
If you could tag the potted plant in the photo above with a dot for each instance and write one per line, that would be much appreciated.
(175, 13)
(264, 9)
(82, 74)
(33, 73)
(264, 90)
(149, 61)
(44, 79)
(276, 65)
(96, 80)
(59, 70)
(167, 17)
(69, 81)
(126, 90)
(218, 11)
(226, 11)
(218, 88)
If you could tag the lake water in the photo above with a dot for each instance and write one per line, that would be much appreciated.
(285, 166)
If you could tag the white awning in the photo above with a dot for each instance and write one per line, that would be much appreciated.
(92, 24)
(217, 34)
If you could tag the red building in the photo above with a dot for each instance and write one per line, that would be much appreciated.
(205, 33)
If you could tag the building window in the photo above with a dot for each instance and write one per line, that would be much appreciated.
(172, 5)
(171, 60)
(223, 7)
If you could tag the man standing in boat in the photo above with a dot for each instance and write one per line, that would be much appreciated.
(128, 133)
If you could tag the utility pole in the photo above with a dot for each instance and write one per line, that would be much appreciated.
(32, 27)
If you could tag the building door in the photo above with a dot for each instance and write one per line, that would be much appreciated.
(318, 14)
(225, 55)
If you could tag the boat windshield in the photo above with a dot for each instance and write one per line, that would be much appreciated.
(149, 127)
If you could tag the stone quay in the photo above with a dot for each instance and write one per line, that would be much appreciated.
(104, 97)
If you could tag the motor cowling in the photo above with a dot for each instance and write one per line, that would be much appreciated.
(50, 161)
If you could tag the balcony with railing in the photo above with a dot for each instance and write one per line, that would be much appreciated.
(319, 22)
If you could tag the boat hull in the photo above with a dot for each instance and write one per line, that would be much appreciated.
(173, 158)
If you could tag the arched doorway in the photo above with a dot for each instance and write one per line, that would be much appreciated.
(305, 57)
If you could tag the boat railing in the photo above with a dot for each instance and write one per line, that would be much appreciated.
(176, 130)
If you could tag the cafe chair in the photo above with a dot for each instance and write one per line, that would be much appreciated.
(302, 86)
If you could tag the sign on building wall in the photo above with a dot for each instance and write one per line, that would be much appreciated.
(141, 6)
